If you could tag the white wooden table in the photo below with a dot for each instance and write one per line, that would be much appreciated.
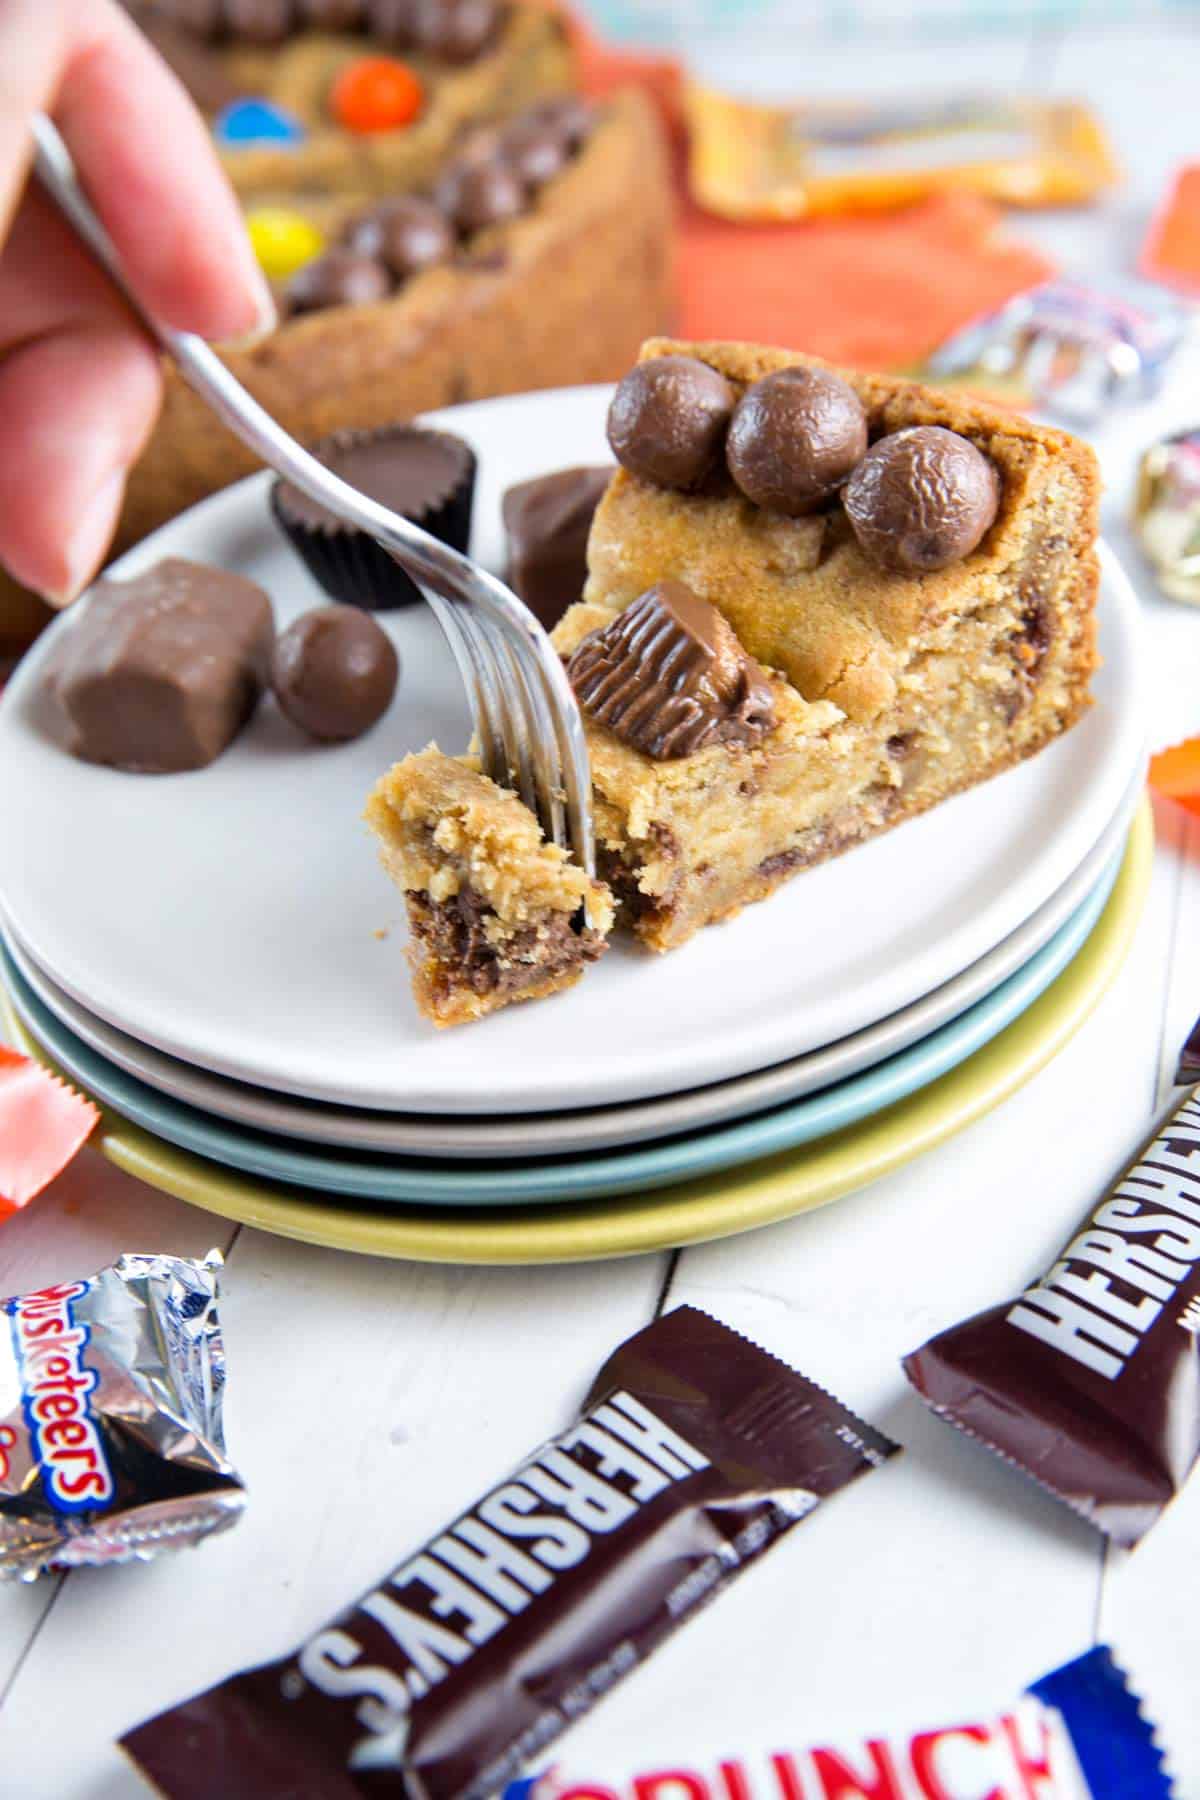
(368, 1399)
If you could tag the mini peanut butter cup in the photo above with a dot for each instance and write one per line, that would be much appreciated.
(427, 476)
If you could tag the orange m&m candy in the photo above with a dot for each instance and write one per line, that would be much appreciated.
(377, 93)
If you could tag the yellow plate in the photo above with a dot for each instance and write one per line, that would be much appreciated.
(716, 1206)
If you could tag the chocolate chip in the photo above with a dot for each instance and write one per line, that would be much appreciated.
(668, 419)
(536, 152)
(669, 677)
(332, 15)
(339, 278)
(1036, 633)
(393, 22)
(334, 671)
(455, 31)
(260, 21)
(922, 498)
(475, 195)
(408, 234)
(794, 439)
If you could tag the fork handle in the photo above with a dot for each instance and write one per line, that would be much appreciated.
(425, 556)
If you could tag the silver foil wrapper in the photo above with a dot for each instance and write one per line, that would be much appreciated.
(1077, 350)
(1166, 513)
(111, 1442)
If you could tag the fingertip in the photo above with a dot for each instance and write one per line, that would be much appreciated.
(153, 173)
(76, 409)
(93, 531)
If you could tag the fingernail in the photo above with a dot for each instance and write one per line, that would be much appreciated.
(90, 539)
(266, 319)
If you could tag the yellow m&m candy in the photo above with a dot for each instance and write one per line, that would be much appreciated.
(283, 241)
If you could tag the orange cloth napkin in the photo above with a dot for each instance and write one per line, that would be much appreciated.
(877, 290)
(1175, 773)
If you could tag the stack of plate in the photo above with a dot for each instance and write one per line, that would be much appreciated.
(218, 959)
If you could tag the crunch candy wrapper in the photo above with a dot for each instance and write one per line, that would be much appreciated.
(1077, 1734)
(42, 1124)
(111, 1445)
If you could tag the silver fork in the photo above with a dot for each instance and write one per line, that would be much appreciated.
(526, 717)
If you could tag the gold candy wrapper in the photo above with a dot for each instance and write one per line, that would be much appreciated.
(753, 162)
(1166, 513)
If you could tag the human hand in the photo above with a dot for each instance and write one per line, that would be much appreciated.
(79, 380)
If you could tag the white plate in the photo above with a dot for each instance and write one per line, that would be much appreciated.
(555, 1134)
(231, 917)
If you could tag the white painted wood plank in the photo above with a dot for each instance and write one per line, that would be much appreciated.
(367, 1402)
(945, 1580)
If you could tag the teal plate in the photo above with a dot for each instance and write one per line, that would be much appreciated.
(566, 1178)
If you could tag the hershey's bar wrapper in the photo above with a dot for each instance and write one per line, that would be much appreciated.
(1090, 1380)
(693, 1453)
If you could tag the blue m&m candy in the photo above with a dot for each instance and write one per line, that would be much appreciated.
(246, 122)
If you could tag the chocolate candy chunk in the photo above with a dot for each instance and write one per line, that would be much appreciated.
(408, 235)
(455, 31)
(339, 278)
(547, 522)
(693, 1453)
(795, 437)
(332, 15)
(393, 22)
(922, 498)
(537, 152)
(260, 21)
(160, 673)
(569, 114)
(334, 671)
(411, 470)
(428, 476)
(668, 420)
(669, 677)
(478, 194)
(1088, 1380)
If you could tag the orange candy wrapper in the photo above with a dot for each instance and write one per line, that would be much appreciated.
(880, 290)
(1171, 252)
(831, 157)
(1175, 774)
(42, 1124)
